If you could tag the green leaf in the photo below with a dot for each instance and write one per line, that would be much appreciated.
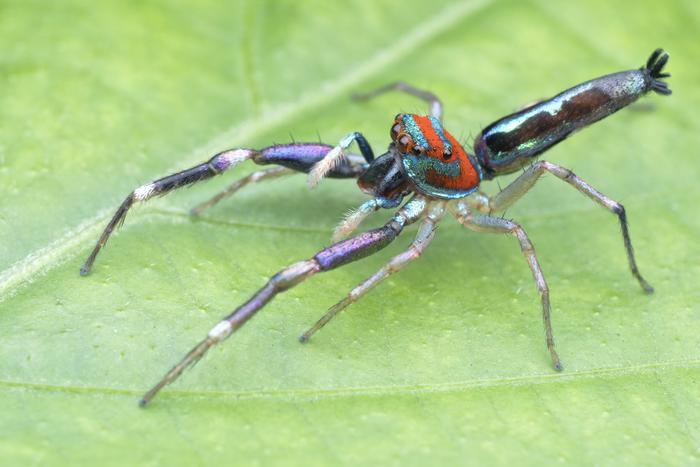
(444, 363)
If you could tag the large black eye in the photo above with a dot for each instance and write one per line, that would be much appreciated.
(447, 153)
(416, 151)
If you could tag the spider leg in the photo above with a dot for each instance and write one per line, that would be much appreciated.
(300, 157)
(356, 216)
(426, 231)
(427, 96)
(482, 223)
(255, 177)
(479, 201)
(336, 156)
(524, 182)
(334, 256)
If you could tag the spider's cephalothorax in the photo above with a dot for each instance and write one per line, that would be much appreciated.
(433, 160)
(423, 159)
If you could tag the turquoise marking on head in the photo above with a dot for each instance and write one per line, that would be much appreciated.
(414, 131)
(419, 139)
(417, 166)
(437, 126)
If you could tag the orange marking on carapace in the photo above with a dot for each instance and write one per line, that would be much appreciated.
(468, 177)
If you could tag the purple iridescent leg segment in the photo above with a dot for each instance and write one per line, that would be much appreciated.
(303, 156)
(336, 255)
(300, 157)
(426, 232)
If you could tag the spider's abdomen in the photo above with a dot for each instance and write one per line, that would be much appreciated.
(433, 159)
(513, 141)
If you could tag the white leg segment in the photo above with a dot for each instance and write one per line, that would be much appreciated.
(330, 161)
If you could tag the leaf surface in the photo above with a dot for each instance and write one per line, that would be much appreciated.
(443, 363)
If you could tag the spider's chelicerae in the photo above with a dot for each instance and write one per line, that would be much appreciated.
(427, 165)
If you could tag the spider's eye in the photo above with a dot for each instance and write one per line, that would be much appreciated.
(395, 130)
(404, 143)
(447, 153)
(417, 151)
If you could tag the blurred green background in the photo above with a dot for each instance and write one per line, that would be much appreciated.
(445, 362)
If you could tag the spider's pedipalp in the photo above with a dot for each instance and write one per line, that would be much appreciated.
(333, 159)
(355, 217)
(336, 157)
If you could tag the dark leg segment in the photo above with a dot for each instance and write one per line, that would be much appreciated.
(425, 235)
(332, 257)
(300, 157)
(500, 225)
(296, 156)
(524, 182)
(427, 96)
(365, 148)
(214, 166)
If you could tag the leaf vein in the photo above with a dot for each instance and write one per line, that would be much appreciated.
(375, 391)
